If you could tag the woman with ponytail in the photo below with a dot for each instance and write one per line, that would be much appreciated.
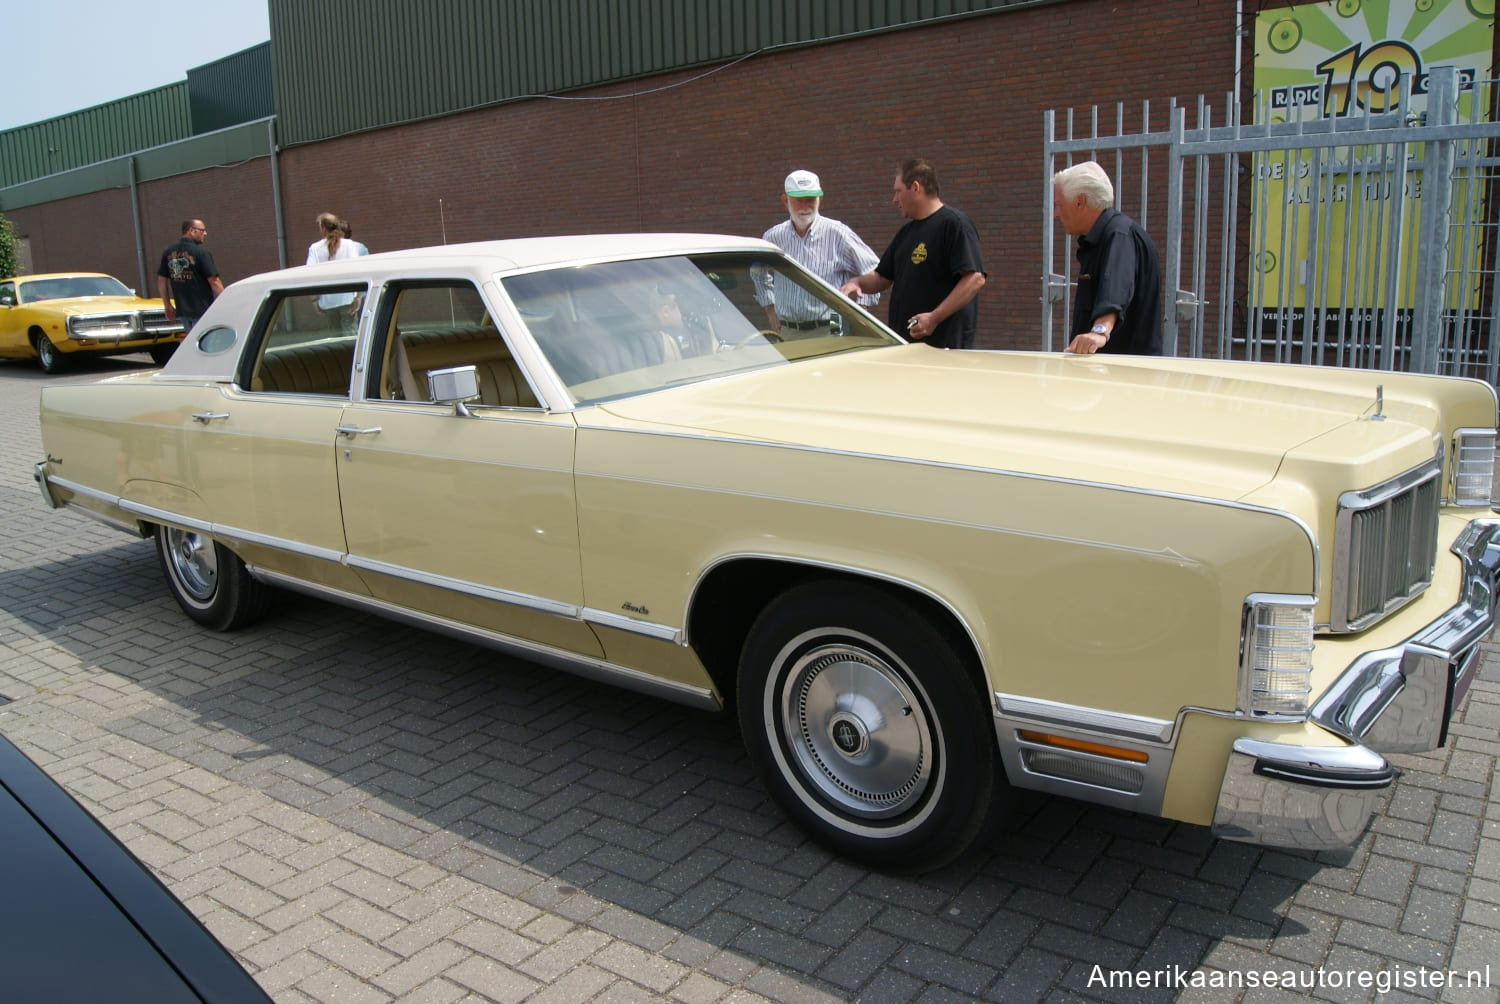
(333, 247)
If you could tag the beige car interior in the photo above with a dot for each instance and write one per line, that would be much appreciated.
(431, 327)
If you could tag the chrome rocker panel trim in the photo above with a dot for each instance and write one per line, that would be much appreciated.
(235, 535)
(592, 669)
(45, 482)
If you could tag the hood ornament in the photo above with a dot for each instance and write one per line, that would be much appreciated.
(1379, 415)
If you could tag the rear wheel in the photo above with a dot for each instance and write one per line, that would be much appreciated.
(209, 581)
(866, 726)
(51, 359)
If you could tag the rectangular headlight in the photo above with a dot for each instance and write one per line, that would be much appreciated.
(1473, 466)
(1276, 645)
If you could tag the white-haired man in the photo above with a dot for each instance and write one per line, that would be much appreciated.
(1117, 307)
(825, 247)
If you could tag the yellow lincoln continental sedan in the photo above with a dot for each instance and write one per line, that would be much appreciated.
(51, 318)
(1211, 591)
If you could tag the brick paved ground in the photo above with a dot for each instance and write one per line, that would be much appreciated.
(364, 812)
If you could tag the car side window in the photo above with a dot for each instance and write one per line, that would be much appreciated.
(8, 293)
(437, 325)
(304, 342)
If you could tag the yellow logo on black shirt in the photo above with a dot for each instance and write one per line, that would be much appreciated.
(919, 253)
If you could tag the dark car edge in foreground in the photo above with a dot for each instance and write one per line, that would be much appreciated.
(82, 919)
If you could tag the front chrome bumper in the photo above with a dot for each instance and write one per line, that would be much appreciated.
(1395, 700)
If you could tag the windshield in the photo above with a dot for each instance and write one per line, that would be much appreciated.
(69, 287)
(629, 327)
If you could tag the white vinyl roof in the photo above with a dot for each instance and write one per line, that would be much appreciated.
(519, 254)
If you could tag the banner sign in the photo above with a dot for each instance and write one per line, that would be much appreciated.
(1321, 228)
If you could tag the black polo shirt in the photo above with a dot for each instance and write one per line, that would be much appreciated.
(1118, 270)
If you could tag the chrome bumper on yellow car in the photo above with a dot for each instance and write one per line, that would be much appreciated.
(1394, 700)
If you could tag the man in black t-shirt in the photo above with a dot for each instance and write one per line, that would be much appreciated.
(1117, 306)
(187, 280)
(933, 265)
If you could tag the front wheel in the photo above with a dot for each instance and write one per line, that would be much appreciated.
(866, 726)
(162, 352)
(48, 355)
(209, 582)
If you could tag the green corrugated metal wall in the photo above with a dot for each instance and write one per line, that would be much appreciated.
(86, 137)
(232, 90)
(344, 66)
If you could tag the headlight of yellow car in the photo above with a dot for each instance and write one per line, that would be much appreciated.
(1276, 644)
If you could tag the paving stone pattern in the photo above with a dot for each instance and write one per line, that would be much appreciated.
(365, 812)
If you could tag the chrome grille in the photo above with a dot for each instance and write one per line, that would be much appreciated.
(136, 324)
(1386, 546)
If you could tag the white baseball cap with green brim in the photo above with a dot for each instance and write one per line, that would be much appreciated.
(803, 185)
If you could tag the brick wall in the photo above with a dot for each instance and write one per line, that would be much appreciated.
(706, 151)
(96, 232)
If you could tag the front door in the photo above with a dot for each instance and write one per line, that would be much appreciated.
(467, 518)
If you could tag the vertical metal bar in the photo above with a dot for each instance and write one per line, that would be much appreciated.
(1229, 227)
(1287, 271)
(140, 237)
(1465, 284)
(1348, 305)
(1200, 241)
(1312, 337)
(1395, 220)
(1049, 124)
(1261, 219)
(1358, 270)
(1432, 229)
(1146, 165)
(1173, 277)
(276, 208)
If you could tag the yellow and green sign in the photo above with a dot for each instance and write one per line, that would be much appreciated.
(1346, 58)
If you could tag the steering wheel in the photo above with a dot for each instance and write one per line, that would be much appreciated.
(765, 333)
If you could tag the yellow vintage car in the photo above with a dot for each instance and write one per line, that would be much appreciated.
(52, 317)
(1211, 591)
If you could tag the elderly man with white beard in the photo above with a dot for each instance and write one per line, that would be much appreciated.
(825, 247)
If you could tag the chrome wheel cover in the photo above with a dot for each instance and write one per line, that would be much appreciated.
(857, 730)
(193, 563)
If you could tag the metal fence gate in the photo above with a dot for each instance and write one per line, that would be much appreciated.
(1362, 240)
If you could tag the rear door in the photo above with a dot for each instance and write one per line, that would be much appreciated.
(262, 451)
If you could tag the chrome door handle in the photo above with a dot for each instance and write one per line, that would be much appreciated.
(353, 430)
(208, 416)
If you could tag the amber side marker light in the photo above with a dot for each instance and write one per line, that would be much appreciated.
(1063, 742)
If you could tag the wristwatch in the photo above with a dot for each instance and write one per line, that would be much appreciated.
(1099, 329)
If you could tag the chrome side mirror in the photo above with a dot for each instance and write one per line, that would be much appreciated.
(453, 385)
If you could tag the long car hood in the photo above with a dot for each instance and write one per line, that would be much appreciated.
(97, 305)
(1210, 429)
